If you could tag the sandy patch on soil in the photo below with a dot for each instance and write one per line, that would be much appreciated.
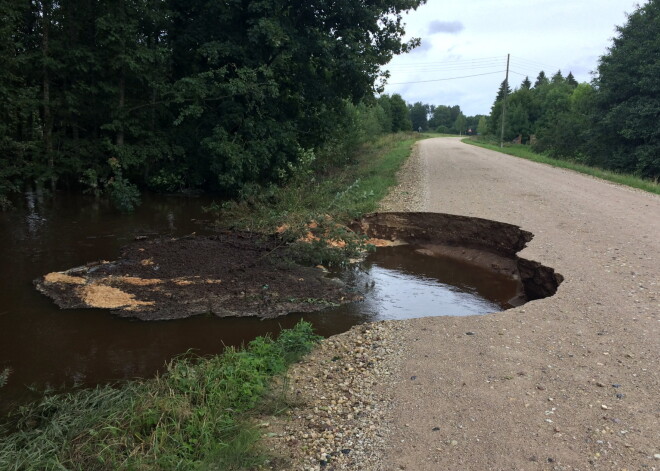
(107, 297)
(57, 277)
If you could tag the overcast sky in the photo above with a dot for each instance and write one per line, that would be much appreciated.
(463, 38)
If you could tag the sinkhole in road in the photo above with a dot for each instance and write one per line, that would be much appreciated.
(432, 264)
(484, 244)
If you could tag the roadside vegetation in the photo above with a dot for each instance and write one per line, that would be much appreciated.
(609, 124)
(525, 152)
(194, 416)
(311, 211)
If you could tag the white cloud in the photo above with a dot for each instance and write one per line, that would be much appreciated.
(452, 27)
(541, 35)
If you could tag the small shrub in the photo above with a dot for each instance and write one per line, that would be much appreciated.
(124, 195)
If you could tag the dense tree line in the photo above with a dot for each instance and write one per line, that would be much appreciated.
(442, 118)
(166, 94)
(612, 122)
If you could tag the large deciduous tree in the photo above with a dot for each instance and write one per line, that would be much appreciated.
(171, 93)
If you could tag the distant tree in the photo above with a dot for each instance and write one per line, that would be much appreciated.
(571, 80)
(517, 121)
(552, 125)
(419, 116)
(441, 116)
(557, 78)
(526, 84)
(385, 102)
(495, 121)
(400, 114)
(460, 124)
(541, 80)
(482, 127)
(566, 127)
(505, 90)
(455, 112)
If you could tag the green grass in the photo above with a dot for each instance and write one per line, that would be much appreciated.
(195, 416)
(430, 134)
(524, 152)
(330, 199)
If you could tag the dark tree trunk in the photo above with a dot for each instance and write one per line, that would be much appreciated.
(122, 101)
(47, 114)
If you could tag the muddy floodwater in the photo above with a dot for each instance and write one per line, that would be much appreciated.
(45, 347)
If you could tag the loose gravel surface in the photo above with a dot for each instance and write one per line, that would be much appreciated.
(570, 382)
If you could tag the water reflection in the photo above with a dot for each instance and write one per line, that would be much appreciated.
(401, 283)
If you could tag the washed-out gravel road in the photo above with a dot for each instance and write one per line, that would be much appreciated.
(570, 382)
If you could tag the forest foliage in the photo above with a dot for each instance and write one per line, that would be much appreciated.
(111, 95)
(612, 122)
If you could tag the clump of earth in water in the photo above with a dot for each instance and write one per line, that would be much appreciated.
(231, 274)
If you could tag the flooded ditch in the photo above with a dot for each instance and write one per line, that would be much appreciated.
(438, 265)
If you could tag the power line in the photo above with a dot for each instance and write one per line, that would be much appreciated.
(457, 61)
(518, 73)
(525, 68)
(449, 78)
(536, 63)
(452, 67)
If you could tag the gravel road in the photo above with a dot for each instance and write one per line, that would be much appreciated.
(570, 382)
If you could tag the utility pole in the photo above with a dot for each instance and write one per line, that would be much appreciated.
(506, 88)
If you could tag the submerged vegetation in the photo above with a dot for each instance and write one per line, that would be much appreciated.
(194, 416)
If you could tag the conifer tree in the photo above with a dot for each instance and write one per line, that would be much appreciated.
(526, 84)
(541, 80)
(570, 79)
(557, 78)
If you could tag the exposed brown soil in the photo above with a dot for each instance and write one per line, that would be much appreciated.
(232, 274)
(490, 244)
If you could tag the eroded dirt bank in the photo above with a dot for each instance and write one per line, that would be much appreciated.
(491, 244)
(568, 382)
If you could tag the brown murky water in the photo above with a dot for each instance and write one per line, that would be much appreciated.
(50, 348)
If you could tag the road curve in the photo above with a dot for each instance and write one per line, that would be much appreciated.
(569, 382)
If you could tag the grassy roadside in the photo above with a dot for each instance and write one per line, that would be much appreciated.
(524, 152)
(192, 417)
(197, 414)
(326, 200)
